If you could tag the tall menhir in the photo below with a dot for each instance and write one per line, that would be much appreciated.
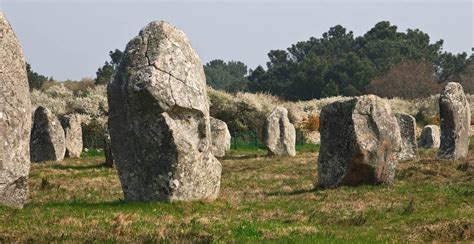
(15, 120)
(455, 116)
(159, 120)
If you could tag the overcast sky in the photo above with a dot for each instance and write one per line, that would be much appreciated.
(70, 39)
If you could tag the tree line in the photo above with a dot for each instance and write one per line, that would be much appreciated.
(383, 61)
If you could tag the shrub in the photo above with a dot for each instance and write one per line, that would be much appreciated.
(311, 123)
(241, 111)
(93, 132)
(89, 102)
(408, 80)
(80, 88)
(434, 121)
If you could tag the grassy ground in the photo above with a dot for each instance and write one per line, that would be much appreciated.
(262, 198)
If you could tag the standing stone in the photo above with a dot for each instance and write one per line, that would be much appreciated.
(279, 134)
(455, 116)
(430, 137)
(48, 142)
(73, 132)
(159, 120)
(409, 149)
(109, 156)
(220, 137)
(15, 120)
(360, 140)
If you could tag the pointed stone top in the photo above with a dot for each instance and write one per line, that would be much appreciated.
(163, 63)
(453, 87)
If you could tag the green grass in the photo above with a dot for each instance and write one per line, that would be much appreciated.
(251, 149)
(262, 199)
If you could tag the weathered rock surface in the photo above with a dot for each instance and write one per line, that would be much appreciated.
(430, 137)
(48, 142)
(159, 120)
(279, 134)
(409, 148)
(109, 156)
(455, 117)
(360, 140)
(15, 120)
(220, 137)
(71, 124)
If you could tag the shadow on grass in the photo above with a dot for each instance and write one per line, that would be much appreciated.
(293, 193)
(112, 206)
(81, 167)
(242, 157)
(116, 204)
(81, 204)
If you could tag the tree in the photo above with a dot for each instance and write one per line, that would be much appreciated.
(330, 90)
(408, 80)
(116, 56)
(467, 76)
(35, 80)
(451, 67)
(104, 73)
(339, 63)
(226, 76)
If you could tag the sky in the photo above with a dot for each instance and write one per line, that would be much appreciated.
(70, 39)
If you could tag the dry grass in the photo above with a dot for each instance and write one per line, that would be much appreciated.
(262, 198)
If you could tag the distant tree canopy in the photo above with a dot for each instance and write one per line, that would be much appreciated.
(35, 80)
(467, 76)
(104, 73)
(226, 76)
(340, 64)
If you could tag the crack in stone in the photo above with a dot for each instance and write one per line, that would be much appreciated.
(150, 64)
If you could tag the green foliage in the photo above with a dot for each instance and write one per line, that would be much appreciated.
(331, 89)
(226, 76)
(35, 80)
(104, 73)
(467, 76)
(452, 66)
(340, 64)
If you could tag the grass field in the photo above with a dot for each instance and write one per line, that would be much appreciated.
(262, 198)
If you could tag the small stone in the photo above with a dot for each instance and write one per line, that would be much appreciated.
(220, 137)
(71, 124)
(455, 116)
(360, 140)
(109, 156)
(48, 142)
(409, 148)
(430, 137)
(279, 134)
